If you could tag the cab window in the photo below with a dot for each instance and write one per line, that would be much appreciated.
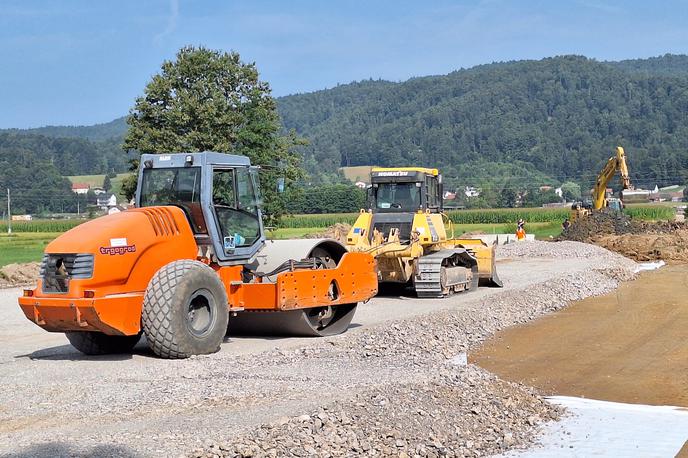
(235, 205)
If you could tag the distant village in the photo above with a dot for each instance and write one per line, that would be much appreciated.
(673, 193)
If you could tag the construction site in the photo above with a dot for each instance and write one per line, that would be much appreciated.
(390, 337)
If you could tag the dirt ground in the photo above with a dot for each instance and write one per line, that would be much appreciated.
(628, 346)
(338, 232)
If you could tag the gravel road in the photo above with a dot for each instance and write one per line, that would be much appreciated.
(395, 384)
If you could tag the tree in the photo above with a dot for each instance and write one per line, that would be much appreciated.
(571, 191)
(209, 100)
(107, 184)
(129, 186)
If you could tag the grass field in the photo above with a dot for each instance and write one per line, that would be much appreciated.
(357, 173)
(97, 180)
(24, 246)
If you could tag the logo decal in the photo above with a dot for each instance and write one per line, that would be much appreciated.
(113, 250)
(391, 174)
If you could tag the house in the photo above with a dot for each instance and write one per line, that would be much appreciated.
(360, 184)
(106, 201)
(116, 209)
(672, 193)
(636, 195)
(559, 192)
(449, 195)
(472, 191)
(545, 188)
(97, 190)
(80, 188)
(22, 217)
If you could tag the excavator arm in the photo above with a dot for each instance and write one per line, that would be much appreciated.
(614, 163)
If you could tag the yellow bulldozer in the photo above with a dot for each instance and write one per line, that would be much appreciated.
(405, 230)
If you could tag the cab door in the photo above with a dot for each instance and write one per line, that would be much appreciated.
(234, 200)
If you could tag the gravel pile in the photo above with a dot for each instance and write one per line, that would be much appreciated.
(463, 411)
(569, 249)
(445, 408)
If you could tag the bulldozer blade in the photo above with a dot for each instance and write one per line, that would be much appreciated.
(311, 322)
(492, 281)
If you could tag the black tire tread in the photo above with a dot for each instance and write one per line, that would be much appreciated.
(97, 343)
(157, 311)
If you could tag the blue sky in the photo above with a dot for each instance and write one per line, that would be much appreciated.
(84, 62)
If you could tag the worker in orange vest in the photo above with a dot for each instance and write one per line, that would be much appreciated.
(520, 231)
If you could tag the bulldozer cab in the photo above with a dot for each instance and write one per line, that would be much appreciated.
(405, 190)
(219, 195)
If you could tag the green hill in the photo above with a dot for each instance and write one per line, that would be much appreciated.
(562, 116)
(97, 132)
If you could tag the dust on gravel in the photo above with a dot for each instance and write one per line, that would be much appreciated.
(638, 240)
(13, 275)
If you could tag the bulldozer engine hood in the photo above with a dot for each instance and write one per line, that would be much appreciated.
(116, 253)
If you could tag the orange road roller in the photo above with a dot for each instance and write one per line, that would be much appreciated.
(189, 263)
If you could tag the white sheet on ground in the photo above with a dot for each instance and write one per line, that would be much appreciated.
(611, 429)
(649, 266)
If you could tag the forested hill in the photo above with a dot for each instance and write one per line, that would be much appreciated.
(562, 115)
(666, 65)
(97, 132)
(69, 156)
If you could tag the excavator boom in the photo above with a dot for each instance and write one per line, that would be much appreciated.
(617, 162)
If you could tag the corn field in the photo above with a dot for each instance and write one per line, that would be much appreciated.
(478, 216)
(651, 213)
(40, 225)
(483, 216)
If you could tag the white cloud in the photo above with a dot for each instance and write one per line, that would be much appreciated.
(171, 22)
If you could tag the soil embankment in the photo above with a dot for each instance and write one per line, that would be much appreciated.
(626, 346)
(638, 240)
(13, 275)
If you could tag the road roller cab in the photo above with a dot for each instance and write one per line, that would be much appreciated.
(189, 260)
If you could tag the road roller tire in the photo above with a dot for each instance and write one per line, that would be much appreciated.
(185, 310)
(97, 343)
(310, 322)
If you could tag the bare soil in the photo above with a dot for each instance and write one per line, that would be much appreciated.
(19, 274)
(338, 232)
(638, 240)
(627, 346)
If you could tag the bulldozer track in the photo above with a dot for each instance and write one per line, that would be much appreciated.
(431, 278)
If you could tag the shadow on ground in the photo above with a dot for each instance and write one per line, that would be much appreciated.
(63, 449)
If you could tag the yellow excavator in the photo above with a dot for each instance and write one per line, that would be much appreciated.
(405, 230)
(599, 192)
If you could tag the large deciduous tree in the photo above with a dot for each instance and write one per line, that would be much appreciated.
(209, 100)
